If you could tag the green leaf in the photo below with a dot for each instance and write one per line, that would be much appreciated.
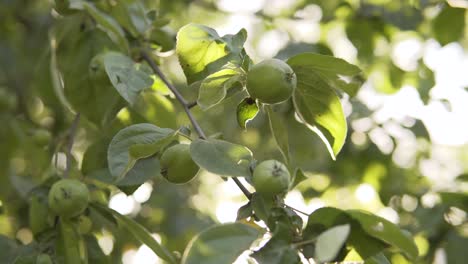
(455, 247)
(95, 254)
(365, 245)
(118, 154)
(246, 111)
(244, 211)
(278, 249)
(299, 176)
(126, 76)
(279, 130)
(139, 232)
(261, 206)
(131, 14)
(214, 88)
(330, 242)
(221, 157)
(319, 108)
(325, 216)
(9, 247)
(386, 231)
(449, 24)
(202, 51)
(70, 247)
(315, 100)
(331, 70)
(143, 170)
(220, 244)
(85, 83)
(105, 22)
(378, 259)
(156, 109)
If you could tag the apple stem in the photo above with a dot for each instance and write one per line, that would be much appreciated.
(71, 140)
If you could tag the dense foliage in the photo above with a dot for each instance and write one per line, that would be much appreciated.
(102, 99)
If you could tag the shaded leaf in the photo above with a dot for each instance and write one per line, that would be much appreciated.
(105, 22)
(143, 170)
(278, 249)
(9, 247)
(131, 15)
(244, 211)
(449, 24)
(118, 154)
(220, 244)
(140, 233)
(279, 130)
(85, 83)
(378, 259)
(221, 157)
(126, 76)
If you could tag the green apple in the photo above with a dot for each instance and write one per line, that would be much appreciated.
(271, 81)
(177, 165)
(68, 198)
(271, 177)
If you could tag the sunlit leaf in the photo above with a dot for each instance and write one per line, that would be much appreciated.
(247, 109)
(214, 88)
(330, 242)
(202, 51)
(319, 107)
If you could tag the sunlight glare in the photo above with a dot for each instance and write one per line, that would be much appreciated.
(122, 203)
(143, 193)
(365, 193)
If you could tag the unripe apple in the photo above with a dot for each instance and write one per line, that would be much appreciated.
(177, 165)
(68, 198)
(271, 177)
(271, 81)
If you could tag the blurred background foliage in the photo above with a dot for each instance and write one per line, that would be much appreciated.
(405, 157)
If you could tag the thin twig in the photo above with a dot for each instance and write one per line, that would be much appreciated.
(297, 210)
(242, 188)
(176, 93)
(192, 104)
(186, 107)
(71, 140)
